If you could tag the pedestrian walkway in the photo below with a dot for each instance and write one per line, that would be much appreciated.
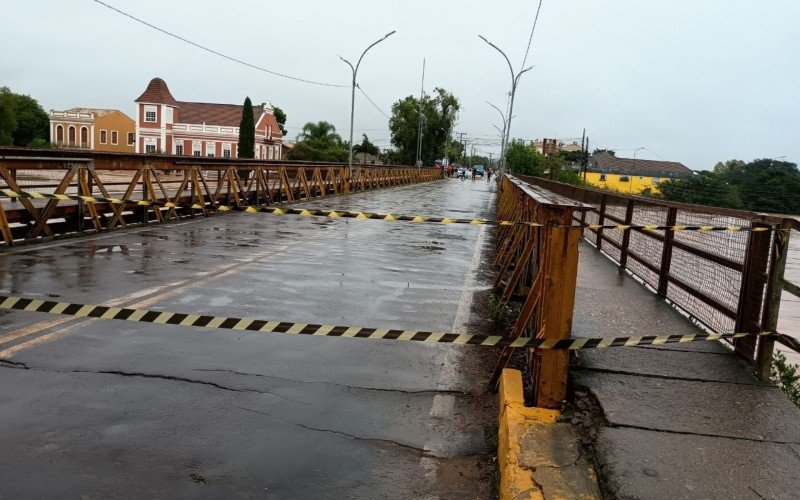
(678, 421)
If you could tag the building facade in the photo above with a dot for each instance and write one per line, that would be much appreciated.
(93, 128)
(165, 125)
(630, 175)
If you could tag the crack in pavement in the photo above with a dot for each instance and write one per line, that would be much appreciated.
(357, 387)
(16, 365)
(413, 449)
(704, 434)
(755, 382)
(6, 363)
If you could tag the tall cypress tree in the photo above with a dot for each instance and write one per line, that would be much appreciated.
(247, 131)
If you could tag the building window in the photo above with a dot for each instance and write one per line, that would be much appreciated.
(196, 148)
(211, 149)
(178, 149)
(131, 138)
(150, 114)
(602, 177)
(114, 137)
(103, 137)
(269, 131)
(641, 178)
(277, 154)
(60, 135)
(150, 149)
(226, 150)
(84, 137)
(624, 178)
(71, 135)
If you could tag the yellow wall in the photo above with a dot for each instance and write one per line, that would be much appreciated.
(114, 121)
(635, 184)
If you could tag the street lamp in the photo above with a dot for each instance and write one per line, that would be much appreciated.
(514, 82)
(353, 99)
(502, 134)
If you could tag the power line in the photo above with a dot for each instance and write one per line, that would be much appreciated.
(373, 103)
(530, 39)
(215, 52)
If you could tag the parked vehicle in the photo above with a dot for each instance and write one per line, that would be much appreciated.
(479, 170)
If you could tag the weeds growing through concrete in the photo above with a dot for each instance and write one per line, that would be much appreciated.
(787, 377)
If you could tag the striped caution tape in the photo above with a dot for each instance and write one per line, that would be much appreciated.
(306, 212)
(270, 326)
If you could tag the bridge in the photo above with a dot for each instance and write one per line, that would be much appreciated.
(149, 408)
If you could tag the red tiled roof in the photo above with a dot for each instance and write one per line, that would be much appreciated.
(224, 115)
(606, 162)
(157, 92)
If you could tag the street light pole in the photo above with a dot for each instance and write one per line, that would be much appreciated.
(502, 135)
(514, 82)
(353, 100)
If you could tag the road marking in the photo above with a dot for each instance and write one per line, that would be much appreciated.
(470, 282)
(221, 272)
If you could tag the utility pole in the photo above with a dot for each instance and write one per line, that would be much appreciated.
(583, 154)
(463, 144)
(353, 100)
(419, 126)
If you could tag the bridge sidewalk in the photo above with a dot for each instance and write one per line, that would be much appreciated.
(677, 421)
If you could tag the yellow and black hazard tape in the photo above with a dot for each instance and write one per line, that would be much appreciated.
(310, 212)
(269, 326)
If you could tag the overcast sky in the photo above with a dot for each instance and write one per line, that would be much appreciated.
(695, 81)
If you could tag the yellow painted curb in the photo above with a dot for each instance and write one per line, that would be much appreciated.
(516, 482)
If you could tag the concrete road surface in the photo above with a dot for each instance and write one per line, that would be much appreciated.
(102, 409)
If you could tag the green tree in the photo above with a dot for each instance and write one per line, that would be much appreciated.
(554, 165)
(439, 113)
(247, 131)
(523, 158)
(609, 151)
(280, 117)
(770, 186)
(22, 120)
(730, 168)
(8, 121)
(319, 142)
(32, 122)
(366, 147)
(703, 188)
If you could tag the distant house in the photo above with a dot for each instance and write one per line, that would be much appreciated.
(93, 128)
(631, 175)
(168, 126)
(550, 146)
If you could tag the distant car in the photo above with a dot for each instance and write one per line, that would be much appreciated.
(462, 172)
(479, 170)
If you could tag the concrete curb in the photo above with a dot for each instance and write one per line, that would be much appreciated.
(538, 457)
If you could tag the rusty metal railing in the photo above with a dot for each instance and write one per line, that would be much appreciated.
(538, 265)
(726, 281)
(196, 182)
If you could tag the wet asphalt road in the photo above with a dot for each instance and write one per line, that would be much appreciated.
(99, 409)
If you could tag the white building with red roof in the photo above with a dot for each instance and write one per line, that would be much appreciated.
(165, 125)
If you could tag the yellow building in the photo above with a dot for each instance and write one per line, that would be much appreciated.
(631, 175)
(93, 128)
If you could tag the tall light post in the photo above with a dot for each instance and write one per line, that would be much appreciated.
(514, 82)
(353, 100)
(502, 135)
